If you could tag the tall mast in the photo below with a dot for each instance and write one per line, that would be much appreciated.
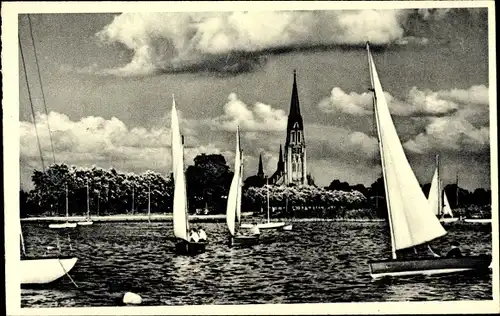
(381, 148)
(439, 191)
(98, 201)
(456, 192)
(88, 201)
(67, 211)
(133, 198)
(267, 186)
(149, 203)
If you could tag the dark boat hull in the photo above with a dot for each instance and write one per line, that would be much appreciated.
(241, 241)
(428, 266)
(189, 248)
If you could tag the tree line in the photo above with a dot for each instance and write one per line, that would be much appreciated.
(208, 181)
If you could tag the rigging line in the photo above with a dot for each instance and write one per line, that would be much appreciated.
(31, 103)
(41, 88)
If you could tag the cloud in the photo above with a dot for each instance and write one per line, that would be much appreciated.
(450, 133)
(229, 41)
(103, 142)
(261, 118)
(416, 103)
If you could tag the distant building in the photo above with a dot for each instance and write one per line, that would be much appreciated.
(291, 167)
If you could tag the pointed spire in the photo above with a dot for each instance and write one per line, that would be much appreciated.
(260, 173)
(294, 104)
(281, 155)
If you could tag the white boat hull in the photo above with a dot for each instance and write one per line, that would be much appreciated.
(448, 220)
(87, 223)
(63, 225)
(45, 270)
(478, 220)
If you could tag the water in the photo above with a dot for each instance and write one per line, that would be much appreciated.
(317, 262)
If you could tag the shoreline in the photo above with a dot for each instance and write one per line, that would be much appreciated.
(208, 218)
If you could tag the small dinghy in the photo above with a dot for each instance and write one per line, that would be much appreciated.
(180, 208)
(233, 209)
(412, 221)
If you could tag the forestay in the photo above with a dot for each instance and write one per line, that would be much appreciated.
(234, 196)
(410, 217)
(181, 225)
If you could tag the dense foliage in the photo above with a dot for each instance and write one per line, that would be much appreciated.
(208, 181)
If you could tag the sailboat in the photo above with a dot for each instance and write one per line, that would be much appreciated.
(67, 224)
(269, 224)
(43, 269)
(233, 208)
(438, 199)
(180, 208)
(412, 221)
(87, 221)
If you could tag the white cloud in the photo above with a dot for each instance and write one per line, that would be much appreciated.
(171, 41)
(416, 103)
(261, 118)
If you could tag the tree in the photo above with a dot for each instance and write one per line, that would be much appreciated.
(208, 182)
(254, 181)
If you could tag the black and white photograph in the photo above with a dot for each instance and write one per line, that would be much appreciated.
(250, 157)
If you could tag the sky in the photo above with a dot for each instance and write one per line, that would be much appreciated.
(108, 81)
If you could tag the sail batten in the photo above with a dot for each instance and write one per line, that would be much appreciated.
(234, 196)
(180, 199)
(412, 221)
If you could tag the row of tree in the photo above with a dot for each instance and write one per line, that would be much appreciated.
(208, 181)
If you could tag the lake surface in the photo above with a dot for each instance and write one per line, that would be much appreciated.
(317, 262)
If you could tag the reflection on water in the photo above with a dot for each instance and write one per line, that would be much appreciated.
(316, 262)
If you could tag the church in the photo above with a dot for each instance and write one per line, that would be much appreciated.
(291, 167)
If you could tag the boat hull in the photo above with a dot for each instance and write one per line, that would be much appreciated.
(478, 220)
(45, 270)
(448, 220)
(87, 223)
(63, 225)
(241, 241)
(270, 225)
(428, 266)
(189, 248)
(288, 227)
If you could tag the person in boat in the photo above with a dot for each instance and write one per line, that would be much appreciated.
(255, 230)
(193, 236)
(202, 235)
(454, 251)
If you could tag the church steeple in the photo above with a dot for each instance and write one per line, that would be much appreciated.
(281, 162)
(260, 173)
(294, 116)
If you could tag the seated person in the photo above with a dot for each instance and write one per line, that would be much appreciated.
(454, 251)
(255, 230)
(193, 236)
(202, 234)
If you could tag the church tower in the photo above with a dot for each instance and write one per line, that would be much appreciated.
(295, 146)
(260, 172)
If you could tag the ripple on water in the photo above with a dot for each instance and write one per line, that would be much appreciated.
(316, 262)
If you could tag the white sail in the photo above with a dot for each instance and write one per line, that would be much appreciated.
(446, 206)
(434, 194)
(181, 225)
(438, 208)
(411, 220)
(233, 199)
